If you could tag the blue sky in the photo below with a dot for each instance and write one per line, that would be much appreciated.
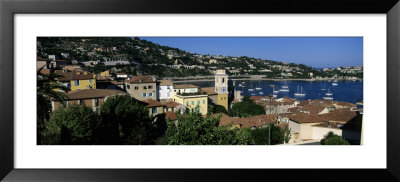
(317, 52)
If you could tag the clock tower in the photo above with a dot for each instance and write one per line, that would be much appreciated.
(221, 87)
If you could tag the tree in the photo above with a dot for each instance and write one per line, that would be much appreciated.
(47, 88)
(75, 125)
(246, 108)
(271, 134)
(194, 129)
(125, 120)
(220, 109)
(333, 139)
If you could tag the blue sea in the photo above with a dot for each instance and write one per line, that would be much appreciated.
(347, 91)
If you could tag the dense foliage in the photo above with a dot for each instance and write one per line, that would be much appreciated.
(73, 125)
(47, 87)
(125, 120)
(271, 135)
(246, 108)
(333, 139)
(194, 129)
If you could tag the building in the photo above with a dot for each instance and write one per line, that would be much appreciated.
(189, 96)
(212, 95)
(93, 98)
(221, 87)
(154, 106)
(142, 87)
(165, 89)
(77, 80)
(185, 88)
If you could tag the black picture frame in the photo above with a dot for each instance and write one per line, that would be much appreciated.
(8, 8)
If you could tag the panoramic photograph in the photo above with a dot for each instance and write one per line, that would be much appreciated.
(199, 90)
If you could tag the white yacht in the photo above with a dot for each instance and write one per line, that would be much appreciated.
(329, 93)
(299, 94)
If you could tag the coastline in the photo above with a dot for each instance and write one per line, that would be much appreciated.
(182, 80)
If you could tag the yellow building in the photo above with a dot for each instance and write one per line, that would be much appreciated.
(154, 106)
(105, 73)
(77, 80)
(193, 101)
(221, 87)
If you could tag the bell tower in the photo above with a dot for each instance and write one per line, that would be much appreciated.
(221, 87)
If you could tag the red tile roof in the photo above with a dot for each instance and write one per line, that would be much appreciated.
(171, 104)
(170, 115)
(306, 118)
(209, 90)
(152, 103)
(141, 79)
(253, 121)
(93, 93)
(339, 115)
(75, 75)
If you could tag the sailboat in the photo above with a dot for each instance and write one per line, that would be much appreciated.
(251, 89)
(275, 91)
(323, 86)
(259, 88)
(285, 88)
(329, 93)
(334, 84)
(261, 93)
(299, 94)
(327, 98)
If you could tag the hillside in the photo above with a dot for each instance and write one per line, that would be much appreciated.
(146, 58)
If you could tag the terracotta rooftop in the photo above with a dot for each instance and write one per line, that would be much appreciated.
(255, 98)
(141, 79)
(339, 115)
(171, 104)
(209, 90)
(253, 121)
(93, 93)
(165, 83)
(170, 115)
(152, 103)
(306, 118)
(185, 86)
(75, 75)
(313, 109)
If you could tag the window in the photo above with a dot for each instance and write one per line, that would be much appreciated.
(204, 101)
(192, 102)
(168, 87)
(81, 102)
(198, 102)
(90, 81)
(143, 94)
(150, 94)
(65, 103)
(76, 82)
(128, 86)
(187, 103)
(154, 110)
(144, 87)
(96, 102)
(136, 88)
(223, 80)
(150, 87)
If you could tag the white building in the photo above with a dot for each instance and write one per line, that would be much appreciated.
(165, 89)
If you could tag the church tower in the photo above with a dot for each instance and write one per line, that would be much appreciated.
(221, 87)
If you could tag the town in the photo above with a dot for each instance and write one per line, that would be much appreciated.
(108, 86)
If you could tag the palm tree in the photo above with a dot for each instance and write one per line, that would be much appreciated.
(47, 88)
